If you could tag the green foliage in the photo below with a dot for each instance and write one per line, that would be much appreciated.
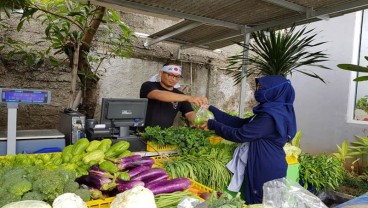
(354, 184)
(321, 171)
(279, 53)
(362, 104)
(356, 68)
(296, 140)
(67, 24)
(226, 200)
(343, 152)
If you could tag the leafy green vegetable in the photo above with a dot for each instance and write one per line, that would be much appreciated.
(321, 171)
(187, 139)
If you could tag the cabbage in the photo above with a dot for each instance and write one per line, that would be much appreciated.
(137, 197)
(28, 204)
(69, 200)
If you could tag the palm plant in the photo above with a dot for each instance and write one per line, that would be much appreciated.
(279, 53)
(356, 68)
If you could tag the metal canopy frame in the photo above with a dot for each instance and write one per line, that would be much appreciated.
(213, 28)
(293, 13)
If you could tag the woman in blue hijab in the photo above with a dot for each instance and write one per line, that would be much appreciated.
(261, 156)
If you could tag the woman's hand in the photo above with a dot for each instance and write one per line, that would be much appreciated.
(203, 126)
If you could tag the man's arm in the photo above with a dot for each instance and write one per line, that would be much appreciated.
(165, 96)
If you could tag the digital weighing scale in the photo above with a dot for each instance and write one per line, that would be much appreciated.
(14, 97)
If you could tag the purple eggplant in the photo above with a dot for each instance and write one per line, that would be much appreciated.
(97, 182)
(128, 159)
(125, 185)
(135, 171)
(150, 174)
(95, 170)
(169, 186)
(162, 177)
(144, 161)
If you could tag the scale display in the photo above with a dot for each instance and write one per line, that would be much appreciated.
(25, 96)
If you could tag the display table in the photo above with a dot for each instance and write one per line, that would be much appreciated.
(29, 141)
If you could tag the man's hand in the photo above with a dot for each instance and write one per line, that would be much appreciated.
(198, 100)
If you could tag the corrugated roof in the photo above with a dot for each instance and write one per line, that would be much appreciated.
(215, 24)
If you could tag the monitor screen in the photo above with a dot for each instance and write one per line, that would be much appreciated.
(25, 96)
(123, 112)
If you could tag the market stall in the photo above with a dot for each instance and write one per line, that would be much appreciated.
(97, 171)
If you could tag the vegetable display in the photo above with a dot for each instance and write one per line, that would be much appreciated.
(99, 169)
(79, 156)
(187, 139)
(126, 173)
(208, 161)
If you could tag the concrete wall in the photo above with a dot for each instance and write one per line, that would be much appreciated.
(202, 69)
(324, 111)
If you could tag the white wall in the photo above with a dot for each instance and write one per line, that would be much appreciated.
(322, 109)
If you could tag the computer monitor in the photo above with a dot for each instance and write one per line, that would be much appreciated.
(123, 113)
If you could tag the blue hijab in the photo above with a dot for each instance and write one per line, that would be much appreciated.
(276, 97)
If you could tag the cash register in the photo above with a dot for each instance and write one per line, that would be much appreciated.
(119, 116)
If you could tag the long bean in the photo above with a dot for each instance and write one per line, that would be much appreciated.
(206, 170)
(171, 200)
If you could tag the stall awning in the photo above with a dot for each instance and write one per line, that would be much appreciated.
(215, 24)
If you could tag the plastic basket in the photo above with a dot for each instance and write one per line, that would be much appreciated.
(215, 139)
(200, 186)
(100, 203)
(151, 147)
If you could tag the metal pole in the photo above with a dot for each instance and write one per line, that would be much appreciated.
(244, 80)
(12, 128)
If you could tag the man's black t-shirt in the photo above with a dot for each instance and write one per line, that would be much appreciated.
(162, 113)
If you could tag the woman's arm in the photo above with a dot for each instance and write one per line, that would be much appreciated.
(225, 118)
(261, 126)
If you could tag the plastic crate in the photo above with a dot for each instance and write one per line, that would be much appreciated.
(151, 147)
(100, 203)
(200, 186)
(105, 203)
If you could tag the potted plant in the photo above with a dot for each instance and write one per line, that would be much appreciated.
(281, 52)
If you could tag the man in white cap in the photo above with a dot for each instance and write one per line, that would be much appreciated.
(165, 101)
